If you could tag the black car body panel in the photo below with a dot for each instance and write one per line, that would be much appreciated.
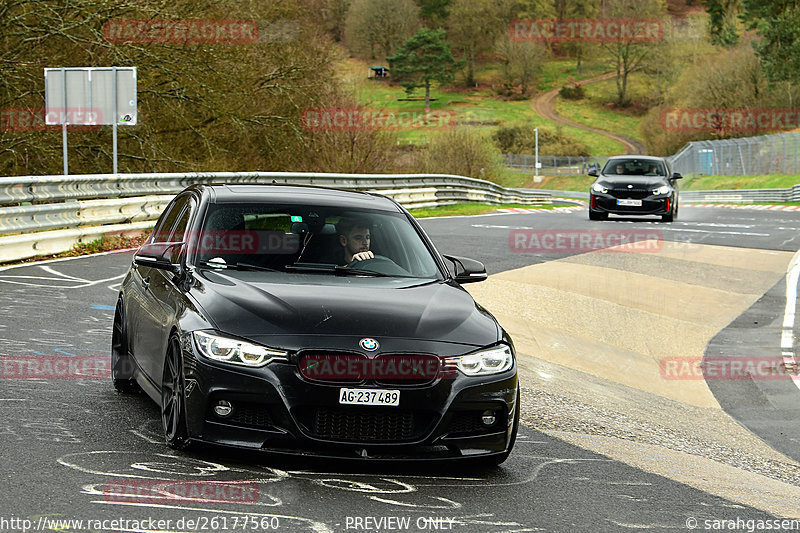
(634, 191)
(278, 407)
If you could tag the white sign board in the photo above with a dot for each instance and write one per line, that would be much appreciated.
(85, 95)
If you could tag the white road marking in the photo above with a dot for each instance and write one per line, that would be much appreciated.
(787, 332)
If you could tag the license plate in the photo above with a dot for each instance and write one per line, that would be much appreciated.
(630, 203)
(369, 397)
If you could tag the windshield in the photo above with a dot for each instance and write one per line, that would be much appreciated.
(317, 239)
(634, 167)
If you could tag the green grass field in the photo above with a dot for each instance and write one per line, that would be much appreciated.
(595, 111)
(479, 108)
(466, 209)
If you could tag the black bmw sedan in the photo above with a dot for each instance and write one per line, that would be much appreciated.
(634, 185)
(312, 321)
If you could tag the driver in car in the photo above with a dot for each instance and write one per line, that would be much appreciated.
(354, 238)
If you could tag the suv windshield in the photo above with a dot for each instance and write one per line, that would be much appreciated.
(302, 238)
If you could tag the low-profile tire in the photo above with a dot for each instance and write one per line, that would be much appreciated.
(668, 218)
(122, 367)
(497, 460)
(597, 215)
(173, 400)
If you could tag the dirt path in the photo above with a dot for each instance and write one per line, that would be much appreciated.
(544, 105)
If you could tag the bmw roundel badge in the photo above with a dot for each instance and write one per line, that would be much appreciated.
(369, 345)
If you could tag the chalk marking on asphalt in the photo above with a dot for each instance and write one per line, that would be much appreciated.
(449, 504)
(85, 283)
(145, 437)
(53, 271)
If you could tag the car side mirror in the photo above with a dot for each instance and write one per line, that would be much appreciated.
(161, 255)
(676, 176)
(467, 270)
(593, 172)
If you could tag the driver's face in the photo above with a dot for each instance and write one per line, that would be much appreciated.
(356, 241)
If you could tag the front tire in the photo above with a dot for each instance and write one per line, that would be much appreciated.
(122, 367)
(597, 215)
(173, 401)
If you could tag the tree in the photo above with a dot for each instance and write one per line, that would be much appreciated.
(521, 62)
(379, 26)
(202, 106)
(625, 54)
(722, 15)
(334, 14)
(464, 152)
(474, 26)
(579, 10)
(422, 60)
(433, 12)
(777, 23)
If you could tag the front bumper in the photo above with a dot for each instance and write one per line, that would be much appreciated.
(276, 409)
(651, 205)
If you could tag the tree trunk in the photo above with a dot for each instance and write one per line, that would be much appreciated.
(427, 97)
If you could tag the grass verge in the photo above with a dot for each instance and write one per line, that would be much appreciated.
(466, 209)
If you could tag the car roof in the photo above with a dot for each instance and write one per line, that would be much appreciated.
(634, 156)
(225, 193)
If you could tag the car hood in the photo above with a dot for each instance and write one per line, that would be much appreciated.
(639, 182)
(258, 304)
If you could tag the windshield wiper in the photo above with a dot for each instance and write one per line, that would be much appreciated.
(237, 266)
(336, 269)
(345, 271)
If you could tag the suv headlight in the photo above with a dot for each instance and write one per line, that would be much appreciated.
(664, 189)
(228, 350)
(485, 362)
(596, 187)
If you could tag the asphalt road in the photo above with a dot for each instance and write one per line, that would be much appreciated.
(67, 443)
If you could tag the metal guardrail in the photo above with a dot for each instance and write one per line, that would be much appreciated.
(50, 214)
(744, 195)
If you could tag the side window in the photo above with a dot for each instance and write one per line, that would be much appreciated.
(179, 231)
(168, 221)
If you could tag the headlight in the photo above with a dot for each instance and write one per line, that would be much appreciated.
(234, 351)
(664, 189)
(596, 187)
(492, 361)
